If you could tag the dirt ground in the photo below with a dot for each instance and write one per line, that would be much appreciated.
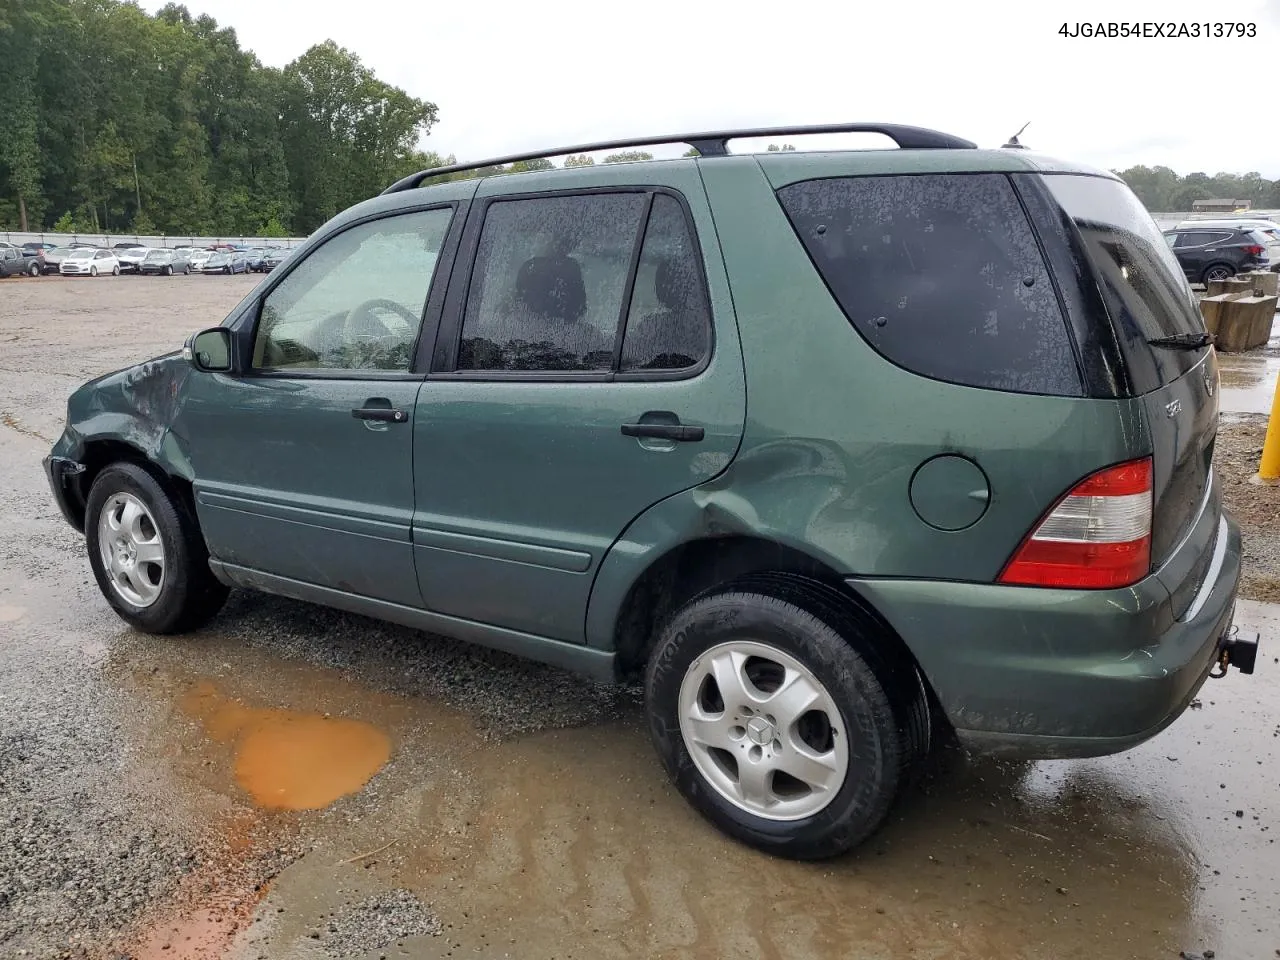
(294, 783)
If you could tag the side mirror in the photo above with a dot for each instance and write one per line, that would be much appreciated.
(209, 350)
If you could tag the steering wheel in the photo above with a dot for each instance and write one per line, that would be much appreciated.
(361, 321)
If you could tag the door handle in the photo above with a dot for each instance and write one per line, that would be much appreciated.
(379, 409)
(664, 431)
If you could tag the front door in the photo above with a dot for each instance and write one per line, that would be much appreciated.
(579, 379)
(303, 463)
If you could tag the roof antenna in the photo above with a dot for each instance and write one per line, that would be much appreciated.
(1013, 143)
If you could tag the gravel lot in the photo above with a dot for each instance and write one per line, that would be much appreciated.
(521, 812)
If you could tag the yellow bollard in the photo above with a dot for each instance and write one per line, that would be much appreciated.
(1269, 466)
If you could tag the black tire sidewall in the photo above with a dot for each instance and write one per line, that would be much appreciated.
(1218, 266)
(876, 747)
(178, 588)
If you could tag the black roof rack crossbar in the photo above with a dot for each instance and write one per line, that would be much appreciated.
(710, 144)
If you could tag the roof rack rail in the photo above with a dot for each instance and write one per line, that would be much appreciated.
(710, 144)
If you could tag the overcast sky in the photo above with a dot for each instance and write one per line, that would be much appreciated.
(509, 75)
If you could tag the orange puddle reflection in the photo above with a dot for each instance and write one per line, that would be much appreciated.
(287, 759)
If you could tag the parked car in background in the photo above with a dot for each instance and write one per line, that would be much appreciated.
(82, 245)
(53, 259)
(273, 258)
(127, 245)
(253, 257)
(167, 262)
(14, 261)
(226, 261)
(1218, 253)
(131, 258)
(89, 262)
(36, 246)
(199, 258)
(979, 499)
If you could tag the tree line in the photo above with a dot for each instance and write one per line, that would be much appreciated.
(114, 120)
(1163, 191)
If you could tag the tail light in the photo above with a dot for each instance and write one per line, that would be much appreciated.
(1253, 249)
(1096, 537)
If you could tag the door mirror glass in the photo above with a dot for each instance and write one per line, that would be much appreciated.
(210, 350)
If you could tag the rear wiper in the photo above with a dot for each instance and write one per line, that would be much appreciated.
(1183, 341)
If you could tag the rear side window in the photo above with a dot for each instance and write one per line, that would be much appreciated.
(942, 275)
(1201, 238)
(1142, 285)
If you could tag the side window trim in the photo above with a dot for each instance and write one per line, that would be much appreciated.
(449, 336)
(430, 318)
(629, 289)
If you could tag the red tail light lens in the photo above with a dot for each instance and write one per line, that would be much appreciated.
(1254, 250)
(1096, 537)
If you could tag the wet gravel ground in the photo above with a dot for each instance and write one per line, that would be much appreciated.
(522, 812)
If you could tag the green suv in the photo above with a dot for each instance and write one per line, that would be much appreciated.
(836, 451)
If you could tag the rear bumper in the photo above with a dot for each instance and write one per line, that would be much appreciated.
(1039, 673)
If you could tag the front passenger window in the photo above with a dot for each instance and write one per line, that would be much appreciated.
(356, 301)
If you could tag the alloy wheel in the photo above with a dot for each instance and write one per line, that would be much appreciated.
(131, 549)
(763, 730)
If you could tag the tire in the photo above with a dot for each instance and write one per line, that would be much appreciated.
(174, 594)
(871, 701)
(115, 271)
(168, 270)
(1217, 271)
(93, 271)
(33, 270)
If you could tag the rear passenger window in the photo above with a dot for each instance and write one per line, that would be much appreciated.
(669, 322)
(549, 282)
(942, 275)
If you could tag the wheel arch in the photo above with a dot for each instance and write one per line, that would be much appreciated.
(697, 565)
(102, 452)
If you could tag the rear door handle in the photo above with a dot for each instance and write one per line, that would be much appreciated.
(664, 431)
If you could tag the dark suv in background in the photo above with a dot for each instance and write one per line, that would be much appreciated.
(1217, 253)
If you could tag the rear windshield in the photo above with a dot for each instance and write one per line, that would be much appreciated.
(942, 275)
(1141, 282)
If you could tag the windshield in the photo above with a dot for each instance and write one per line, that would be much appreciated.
(159, 255)
(81, 253)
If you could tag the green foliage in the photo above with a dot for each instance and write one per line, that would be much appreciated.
(173, 117)
(272, 228)
(65, 224)
(143, 225)
(579, 160)
(626, 156)
(785, 148)
(1163, 191)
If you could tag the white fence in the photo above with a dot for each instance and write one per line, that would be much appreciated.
(110, 239)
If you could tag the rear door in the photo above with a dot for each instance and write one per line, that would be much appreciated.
(1149, 303)
(587, 367)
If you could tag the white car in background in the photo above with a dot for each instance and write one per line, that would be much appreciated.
(87, 261)
(131, 258)
(199, 258)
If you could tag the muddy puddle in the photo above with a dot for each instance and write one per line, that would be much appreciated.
(288, 759)
(569, 842)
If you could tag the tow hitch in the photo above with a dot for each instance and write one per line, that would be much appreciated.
(1235, 652)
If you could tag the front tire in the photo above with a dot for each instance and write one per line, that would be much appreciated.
(168, 270)
(781, 718)
(33, 270)
(115, 271)
(147, 553)
(93, 271)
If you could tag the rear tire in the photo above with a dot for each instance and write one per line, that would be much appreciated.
(115, 271)
(718, 671)
(1217, 271)
(147, 552)
(33, 270)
